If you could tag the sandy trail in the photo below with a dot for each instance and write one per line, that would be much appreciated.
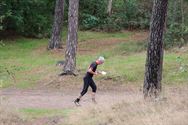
(56, 99)
(48, 99)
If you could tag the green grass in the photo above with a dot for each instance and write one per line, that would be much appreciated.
(131, 47)
(23, 60)
(28, 64)
(85, 35)
(33, 113)
(126, 64)
(90, 35)
(172, 72)
(125, 68)
(28, 61)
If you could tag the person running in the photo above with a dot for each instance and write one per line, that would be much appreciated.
(88, 80)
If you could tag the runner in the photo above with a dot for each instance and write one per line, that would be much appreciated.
(88, 80)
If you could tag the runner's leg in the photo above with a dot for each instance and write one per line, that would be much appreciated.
(84, 90)
(94, 89)
(85, 87)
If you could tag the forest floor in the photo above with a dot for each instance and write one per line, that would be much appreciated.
(33, 94)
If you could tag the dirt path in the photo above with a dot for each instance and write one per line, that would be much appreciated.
(51, 99)
(48, 99)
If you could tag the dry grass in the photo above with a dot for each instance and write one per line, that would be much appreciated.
(127, 108)
(170, 109)
(10, 117)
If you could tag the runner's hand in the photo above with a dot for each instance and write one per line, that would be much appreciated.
(99, 72)
(96, 73)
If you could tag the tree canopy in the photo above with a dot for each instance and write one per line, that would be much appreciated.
(34, 18)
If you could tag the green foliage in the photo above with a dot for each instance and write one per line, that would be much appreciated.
(93, 7)
(92, 12)
(34, 18)
(29, 18)
(110, 24)
(129, 14)
(177, 35)
(135, 15)
(89, 21)
(177, 25)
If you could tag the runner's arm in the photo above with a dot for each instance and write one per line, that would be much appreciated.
(91, 71)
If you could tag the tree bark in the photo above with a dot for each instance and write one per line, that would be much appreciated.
(174, 11)
(154, 61)
(72, 39)
(55, 40)
(109, 11)
(182, 17)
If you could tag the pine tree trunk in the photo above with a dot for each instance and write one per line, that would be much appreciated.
(55, 40)
(174, 11)
(154, 61)
(182, 18)
(72, 39)
(109, 11)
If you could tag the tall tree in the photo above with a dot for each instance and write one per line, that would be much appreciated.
(182, 17)
(154, 61)
(109, 10)
(72, 38)
(55, 40)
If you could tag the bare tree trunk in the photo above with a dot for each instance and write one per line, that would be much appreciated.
(55, 40)
(182, 17)
(174, 11)
(72, 39)
(109, 11)
(182, 12)
(154, 61)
